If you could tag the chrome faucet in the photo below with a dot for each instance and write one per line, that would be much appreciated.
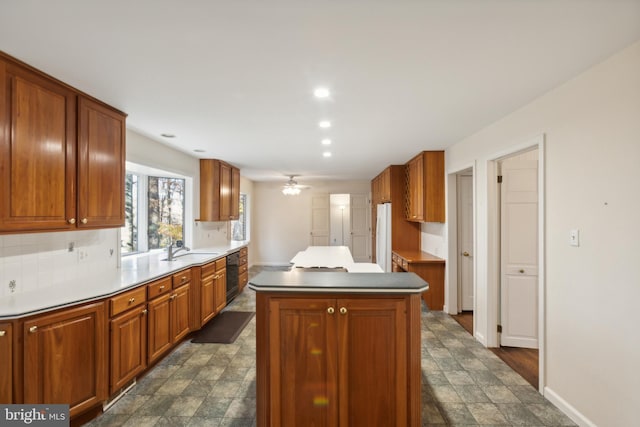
(179, 247)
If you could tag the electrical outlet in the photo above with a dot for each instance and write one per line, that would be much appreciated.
(12, 286)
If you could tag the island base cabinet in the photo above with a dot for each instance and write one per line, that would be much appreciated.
(65, 358)
(338, 361)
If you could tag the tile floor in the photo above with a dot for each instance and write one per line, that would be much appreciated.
(463, 383)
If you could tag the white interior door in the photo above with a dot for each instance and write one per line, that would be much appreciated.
(320, 220)
(519, 251)
(360, 243)
(465, 241)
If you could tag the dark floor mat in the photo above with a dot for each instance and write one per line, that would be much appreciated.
(224, 328)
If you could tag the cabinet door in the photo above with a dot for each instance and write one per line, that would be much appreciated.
(180, 303)
(372, 364)
(65, 358)
(220, 289)
(302, 357)
(235, 193)
(415, 190)
(101, 168)
(37, 152)
(128, 338)
(225, 191)
(207, 306)
(6, 363)
(159, 327)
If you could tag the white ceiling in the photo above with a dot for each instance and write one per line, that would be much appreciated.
(235, 78)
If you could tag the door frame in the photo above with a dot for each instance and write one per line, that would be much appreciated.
(459, 305)
(451, 276)
(493, 246)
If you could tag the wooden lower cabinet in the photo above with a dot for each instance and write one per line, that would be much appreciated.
(6, 363)
(207, 305)
(128, 339)
(180, 325)
(340, 361)
(220, 289)
(243, 268)
(430, 269)
(65, 358)
(168, 321)
(213, 290)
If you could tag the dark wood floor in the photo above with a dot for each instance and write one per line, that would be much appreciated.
(522, 360)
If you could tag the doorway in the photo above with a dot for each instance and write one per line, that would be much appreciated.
(515, 256)
(464, 184)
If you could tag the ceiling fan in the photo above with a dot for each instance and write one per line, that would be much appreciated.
(292, 188)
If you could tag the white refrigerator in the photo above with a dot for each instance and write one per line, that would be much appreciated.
(383, 237)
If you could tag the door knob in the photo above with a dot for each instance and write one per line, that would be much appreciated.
(330, 310)
(521, 271)
(343, 310)
(33, 329)
(83, 220)
(71, 221)
(465, 253)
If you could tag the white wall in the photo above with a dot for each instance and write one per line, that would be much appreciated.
(282, 224)
(592, 154)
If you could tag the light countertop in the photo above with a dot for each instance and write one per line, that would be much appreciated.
(135, 270)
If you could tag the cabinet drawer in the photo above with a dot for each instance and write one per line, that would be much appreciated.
(208, 270)
(395, 258)
(405, 264)
(127, 300)
(159, 287)
(242, 268)
(243, 252)
(243, 278)
(181, 278)
(243, 260)
(221, 263)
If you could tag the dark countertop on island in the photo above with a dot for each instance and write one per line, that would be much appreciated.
(337, 282)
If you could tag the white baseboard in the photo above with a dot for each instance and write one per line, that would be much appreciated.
(481, 338)
(567, 408)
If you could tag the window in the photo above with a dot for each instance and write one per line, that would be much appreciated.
(165, 211)
(129, 233)
(155, 209)
(239, 227)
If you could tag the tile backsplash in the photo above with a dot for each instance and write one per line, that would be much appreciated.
(42, 260)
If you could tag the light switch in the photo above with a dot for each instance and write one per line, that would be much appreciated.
(574, 237)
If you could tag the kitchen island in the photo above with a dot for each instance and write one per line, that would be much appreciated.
(338, 349)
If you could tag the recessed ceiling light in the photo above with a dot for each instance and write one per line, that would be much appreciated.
(326, 141)
(199, 150)
(326, 154)
(324, 124)
(321, 92)
(167, 135)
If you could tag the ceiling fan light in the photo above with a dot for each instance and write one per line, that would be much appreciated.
(290, 191)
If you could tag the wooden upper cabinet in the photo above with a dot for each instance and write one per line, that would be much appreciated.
(101, 165)
(425, 187)
(381, 187)
(219, 191)
(37, 151)
(61, 155)
(65, 358)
